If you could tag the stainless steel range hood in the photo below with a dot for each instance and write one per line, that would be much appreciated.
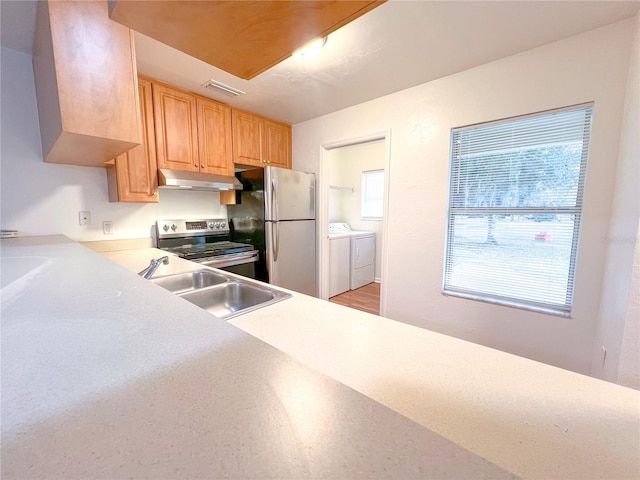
(197, 181)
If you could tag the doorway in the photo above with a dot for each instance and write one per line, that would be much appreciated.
(346, 197)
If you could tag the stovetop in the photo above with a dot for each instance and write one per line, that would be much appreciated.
(202, 250)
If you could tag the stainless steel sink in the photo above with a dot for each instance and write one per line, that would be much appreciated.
(188, 282)
(233, 298)
(224, 296)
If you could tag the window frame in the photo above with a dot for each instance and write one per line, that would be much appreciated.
(576, 210)
(363, 195)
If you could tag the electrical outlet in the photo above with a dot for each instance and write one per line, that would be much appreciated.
(107, 227)
(84, 217)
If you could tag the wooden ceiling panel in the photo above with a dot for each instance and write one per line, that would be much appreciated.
(244, 38)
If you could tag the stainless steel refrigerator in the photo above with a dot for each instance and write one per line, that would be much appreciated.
(276, 212)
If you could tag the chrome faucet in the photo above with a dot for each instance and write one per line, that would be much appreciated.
(153, 266)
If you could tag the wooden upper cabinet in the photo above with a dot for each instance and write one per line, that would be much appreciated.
(240, 37)
(176, 128)
(247, 138)
(214, 137)
(133, 177)
(260, 142)
(277, 144)
(85, 76)
(193, 133)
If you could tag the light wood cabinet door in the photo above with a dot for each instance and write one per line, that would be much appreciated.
(215, 142)
(85, 77)
(176, 128)
(247, 138)
(134, 175)
(260, 142)
(276, 144)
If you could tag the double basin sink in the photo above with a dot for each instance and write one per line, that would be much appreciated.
(221, 295)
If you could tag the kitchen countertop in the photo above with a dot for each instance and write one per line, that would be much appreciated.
(132, 361)
(532, 419)
(136, 260)
(106, 375)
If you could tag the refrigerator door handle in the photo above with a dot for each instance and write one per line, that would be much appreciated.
(275, 215)
(275, 246)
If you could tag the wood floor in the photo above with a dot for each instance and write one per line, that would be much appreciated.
(365, 298)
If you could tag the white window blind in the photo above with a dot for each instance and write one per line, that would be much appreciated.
(372, 194)
(515, 204)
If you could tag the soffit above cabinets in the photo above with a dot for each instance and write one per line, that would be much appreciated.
(243, 38)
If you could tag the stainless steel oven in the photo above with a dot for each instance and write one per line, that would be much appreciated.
(206, 241)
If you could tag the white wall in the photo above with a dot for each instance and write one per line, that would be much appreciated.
(346, 165)
(40, 199)
(617, 318)
(629, 364)
(588, 67)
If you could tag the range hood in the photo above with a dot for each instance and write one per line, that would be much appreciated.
(197, 181)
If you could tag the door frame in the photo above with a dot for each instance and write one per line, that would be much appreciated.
(323, 219)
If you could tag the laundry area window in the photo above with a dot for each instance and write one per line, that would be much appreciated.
(515, 205)
(372, 194)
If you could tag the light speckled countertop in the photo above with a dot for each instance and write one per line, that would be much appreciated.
(532, 419)
(106, 375)
(120, 378)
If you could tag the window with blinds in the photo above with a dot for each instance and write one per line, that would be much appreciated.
(515, 204)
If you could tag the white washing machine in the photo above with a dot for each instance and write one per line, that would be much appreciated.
(362, 261)
(339, 264)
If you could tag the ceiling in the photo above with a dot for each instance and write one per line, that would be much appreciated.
(395, 46)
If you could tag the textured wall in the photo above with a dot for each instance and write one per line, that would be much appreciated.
(39, 198)
(629, 366)
(616, 318)
(588, 67)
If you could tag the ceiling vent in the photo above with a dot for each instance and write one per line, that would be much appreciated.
(222, 88)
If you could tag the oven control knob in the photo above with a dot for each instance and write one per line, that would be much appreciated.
(223, 224)
(210, 225)
(165, 227)
(217, 224)
(174, 227)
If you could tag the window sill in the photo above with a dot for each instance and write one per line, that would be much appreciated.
(509, 303)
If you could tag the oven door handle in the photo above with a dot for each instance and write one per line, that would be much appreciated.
(229, 260)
